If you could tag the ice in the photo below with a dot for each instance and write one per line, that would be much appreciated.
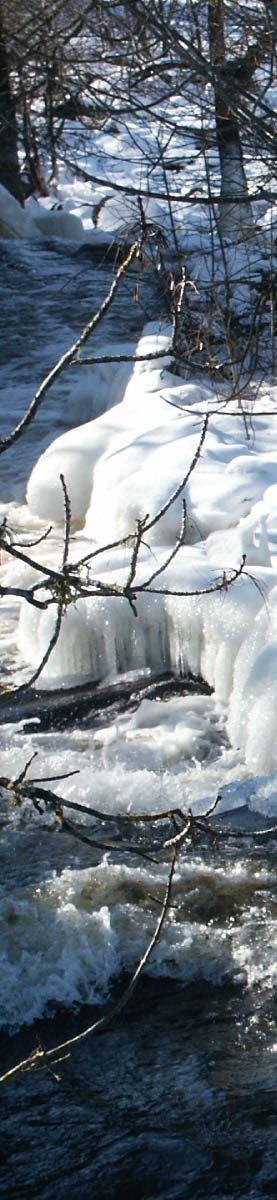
(100, 386)
(252, 717)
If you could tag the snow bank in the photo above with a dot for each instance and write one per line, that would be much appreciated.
(35, 220)
(15, 221)
(131, 459)
(75, 453)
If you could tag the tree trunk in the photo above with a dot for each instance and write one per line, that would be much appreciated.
(9, 163)
(33, 173)
(235, 218)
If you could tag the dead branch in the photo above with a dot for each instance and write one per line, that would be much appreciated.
(23, 594)
(93, 360)
(172, 555)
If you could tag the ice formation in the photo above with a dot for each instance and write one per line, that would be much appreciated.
(128, 462)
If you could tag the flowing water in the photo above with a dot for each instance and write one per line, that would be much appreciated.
(178, 1097)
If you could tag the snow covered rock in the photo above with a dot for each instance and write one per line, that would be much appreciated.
(60, 224)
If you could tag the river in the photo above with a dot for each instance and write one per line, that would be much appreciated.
(177, 1099)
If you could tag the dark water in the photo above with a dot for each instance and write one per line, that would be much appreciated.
(47, 294)
(178, 1098)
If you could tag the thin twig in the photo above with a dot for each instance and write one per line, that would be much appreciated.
(52, 643)
(176, 548)
(220, 585)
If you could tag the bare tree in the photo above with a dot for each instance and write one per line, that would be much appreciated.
(9, 162)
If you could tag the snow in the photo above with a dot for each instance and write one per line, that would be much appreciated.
(76, 452)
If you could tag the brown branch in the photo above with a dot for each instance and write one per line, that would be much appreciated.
(49, 572)
(179, 489)
(36, 542)
(220, 586)
(24, 594)
(141, 525)
(52, 643)
(172, 555)
(176, 197)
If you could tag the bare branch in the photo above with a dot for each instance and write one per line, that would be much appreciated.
(67, 523)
